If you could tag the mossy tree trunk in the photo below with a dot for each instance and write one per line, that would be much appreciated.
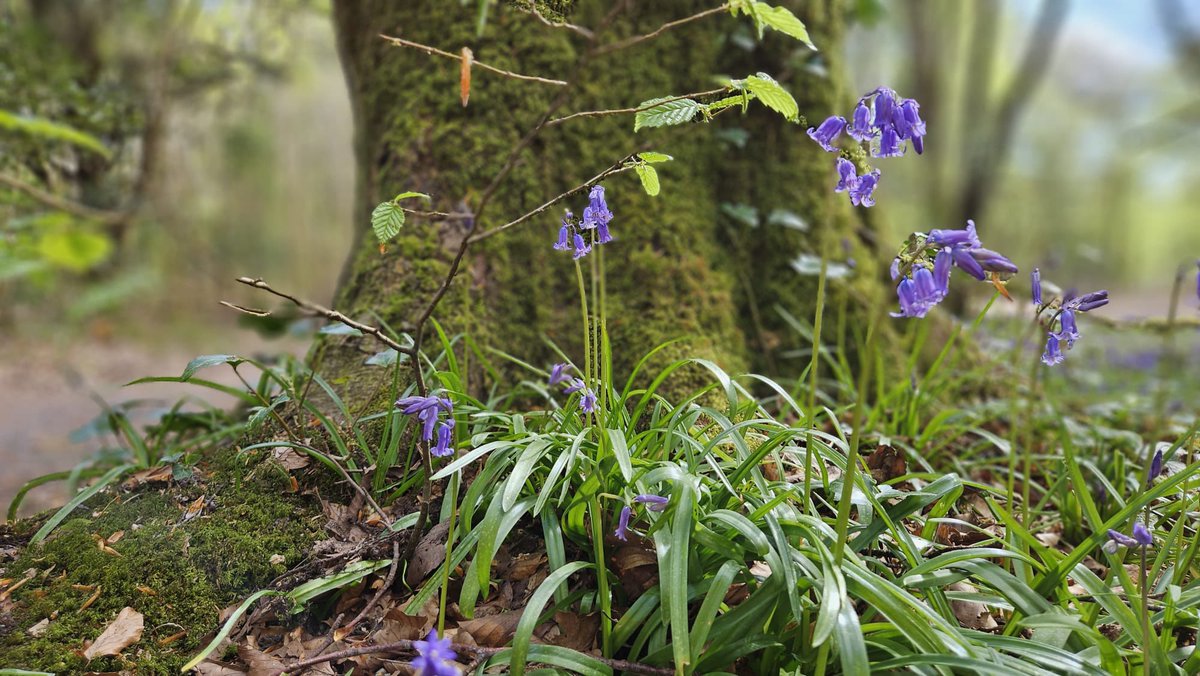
(679, 267)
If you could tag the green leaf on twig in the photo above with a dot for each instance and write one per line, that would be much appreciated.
(388, 217)
(773, 96)
(665, 112)
(649, 178)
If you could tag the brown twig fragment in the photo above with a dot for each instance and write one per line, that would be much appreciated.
(323, 311)
(104, 216)
(478, 64)
(629, 42)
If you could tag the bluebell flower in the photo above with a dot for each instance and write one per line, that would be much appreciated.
(558, 374)
(894, 268)
(910, 125)
(919, 293)
(968, 237)
(1121, 538)
(941, 270)
(861, 193)
(890, 143)
(1088, 301)
(885, 108)
(654, 503)
(587, 403)
(964, 261)
(1053, 354)
(991, 261)
(847, 175)
(905, 292)
(1142, 535)
(829, 130)
(1156, 466)
(434, 657)
(596, 213)
(1036, 282)
(575, 385)
(582, 248)
(427, 411)
(860, 128)
(622, 531)
(445, 439)
(1068, 331)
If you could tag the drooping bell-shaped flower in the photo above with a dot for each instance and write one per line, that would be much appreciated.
(1053, 354)
(861, 194)
(1088, 301)
(1121, 538)
(890, 143)
(860, 128)
(941, 270)
(1069, 331)
(1036, 283)
(847, 176)
(445, 439)
(905, 293)
(992, 261)
(582, 248)
(885, 108)
(622, 531)
(596, 213)
(964, 261)
(1142, 535)
(654, 503)
(434, 657)
(558, 374)
(827, 132)
(968, 237)
(1156, 466)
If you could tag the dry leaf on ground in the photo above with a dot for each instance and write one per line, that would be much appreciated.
(122, 633)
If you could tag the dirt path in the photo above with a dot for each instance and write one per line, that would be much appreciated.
(45, 395)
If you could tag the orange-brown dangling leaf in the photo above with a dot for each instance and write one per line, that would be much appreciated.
(1000, 286)
(464, 75)
(382, 248)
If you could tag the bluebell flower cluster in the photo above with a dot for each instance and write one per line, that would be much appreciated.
(885, 123)
(654, 503)
(434, 657)
(558, 375)
(924, 265)
(1064, 318)
(580, 236)
(428, 410)
(1142, 537)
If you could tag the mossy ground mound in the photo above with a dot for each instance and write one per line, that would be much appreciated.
(177, 573)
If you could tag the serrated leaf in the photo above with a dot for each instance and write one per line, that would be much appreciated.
(773, 96)
(386, 221)
(655, 158)
(649, 178)
(207, 360)
(665, 112)
(782, 20)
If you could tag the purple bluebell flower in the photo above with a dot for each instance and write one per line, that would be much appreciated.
(885, 108)
(847, 176)
(890, 143)
(1036, 282)
(582, 248)
(910, 125)
(964, 261)
(1156, 466)
(558, 374)
(1053, 354)
(426, 409)
(1121, 538)
(654, 503)
(919, 293)
(829, 130)
(1088, 301)
(622, 531)
(575, 385)
(941, 270)
(434, 657)
(564, 234)
(445, 439)
(992, 261)
(596, 213)
(1142, 535)
(894, 269)
(861, 193)
(587, 403)
(906, 293)
(968, 237)
(603, 236)
(860, 128)
(1068, 331)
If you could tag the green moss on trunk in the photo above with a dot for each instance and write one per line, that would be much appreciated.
(178, 574)
(672, 271)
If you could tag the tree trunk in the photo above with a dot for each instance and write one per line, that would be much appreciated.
(679, 267)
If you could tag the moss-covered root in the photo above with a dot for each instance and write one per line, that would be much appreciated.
(177, 572)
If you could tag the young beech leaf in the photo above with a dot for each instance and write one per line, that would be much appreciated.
(782, 20)
(386, 221)
(665, 112)
(773, 96)
(649, 178)
(655, 158)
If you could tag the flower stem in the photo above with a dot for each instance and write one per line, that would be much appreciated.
(602, 591)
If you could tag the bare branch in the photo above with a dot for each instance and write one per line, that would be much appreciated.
(625, 111)
(629, 42)
(323, 311)
(458, 57)
(561, 24)
(53, 201)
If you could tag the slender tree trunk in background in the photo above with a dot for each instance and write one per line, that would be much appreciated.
(678, 267)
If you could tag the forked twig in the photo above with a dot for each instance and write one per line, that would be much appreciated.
(479, 64)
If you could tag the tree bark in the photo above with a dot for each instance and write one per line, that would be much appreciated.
(678, 268)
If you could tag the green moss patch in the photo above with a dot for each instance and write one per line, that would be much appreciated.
(177, 572)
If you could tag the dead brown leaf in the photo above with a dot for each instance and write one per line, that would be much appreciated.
(971, 614)
(122, 633)
(577, 632)
(886, 463)
(260, 663)
(160, 474)
(431, 552)
(523, 565)
(397, 626)
(493, 631)
(290, 458)
(209, 668)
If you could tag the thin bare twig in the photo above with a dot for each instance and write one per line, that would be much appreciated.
(438, 214)
(458, 57)
(625, 111)
(614, 169)
(477, 651)
(561, 24)
(53, 201)
(323, 311)
(629, 42)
